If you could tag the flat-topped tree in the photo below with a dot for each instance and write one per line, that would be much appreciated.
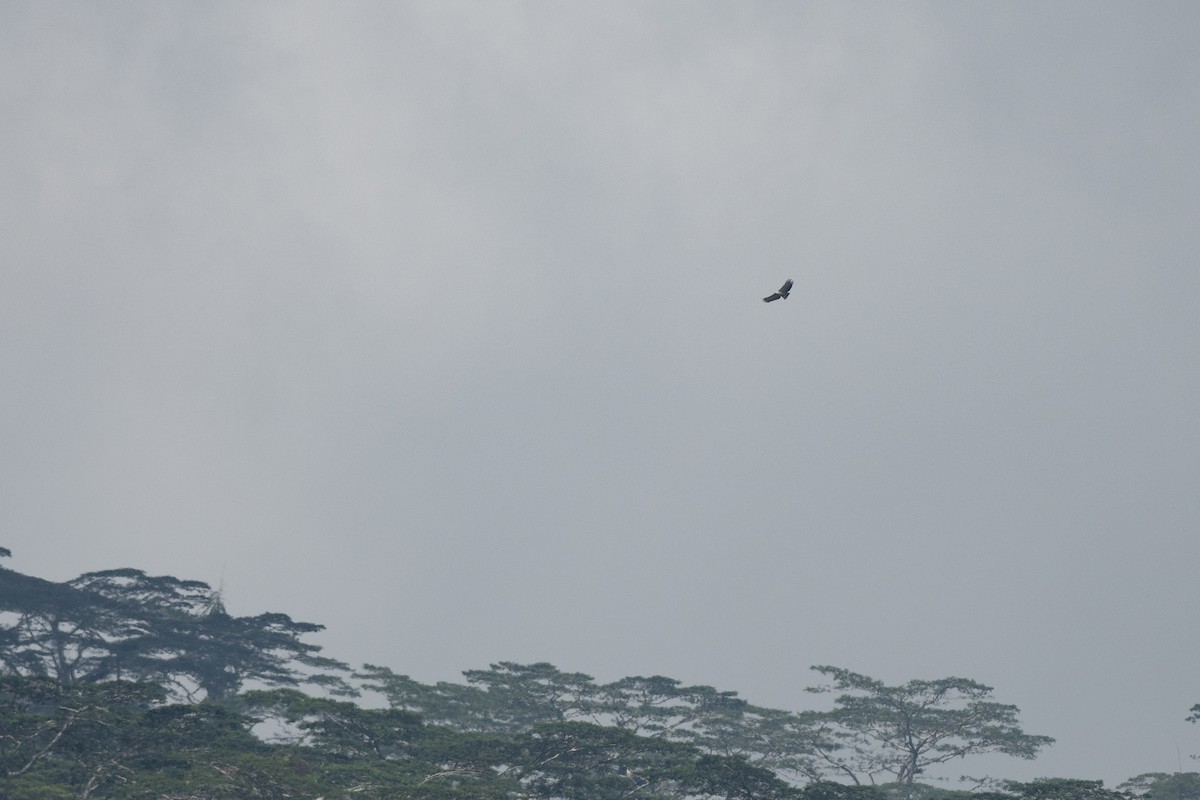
(123, 624)
(449, 705)
(525, 695)
(902, 730)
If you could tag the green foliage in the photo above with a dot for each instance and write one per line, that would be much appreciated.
(41, 718)
(337, 728)
(462, 708)
(1062, 789)
(87, 668)
(106, 738)
(522, 696)
(118, 740)
(827, 790)
(125, 625)
(922, 791)
(663, 707)
(511, 698)
(733, 777)
(582, 760)
(1163, 786)
(902, 730)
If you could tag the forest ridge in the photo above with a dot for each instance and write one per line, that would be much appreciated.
(118, 684)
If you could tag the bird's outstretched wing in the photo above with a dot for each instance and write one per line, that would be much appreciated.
(783, 292)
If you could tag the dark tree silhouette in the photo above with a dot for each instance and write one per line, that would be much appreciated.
(123, 624)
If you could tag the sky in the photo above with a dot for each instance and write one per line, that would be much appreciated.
(440, 324)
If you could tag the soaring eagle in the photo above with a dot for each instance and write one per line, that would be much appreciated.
(783, 292)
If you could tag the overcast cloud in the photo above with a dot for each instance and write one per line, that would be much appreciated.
(440, 324)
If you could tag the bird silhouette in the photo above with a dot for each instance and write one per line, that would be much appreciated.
(783, 292)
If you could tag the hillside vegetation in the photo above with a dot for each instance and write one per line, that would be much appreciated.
(118, 684)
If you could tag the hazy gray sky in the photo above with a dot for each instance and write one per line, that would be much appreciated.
(440, 324)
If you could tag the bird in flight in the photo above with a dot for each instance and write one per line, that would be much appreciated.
(783, 292)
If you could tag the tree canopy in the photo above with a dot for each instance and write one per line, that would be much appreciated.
(902, 730)
(123, 685)
(123, 624)
(1165, 786)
